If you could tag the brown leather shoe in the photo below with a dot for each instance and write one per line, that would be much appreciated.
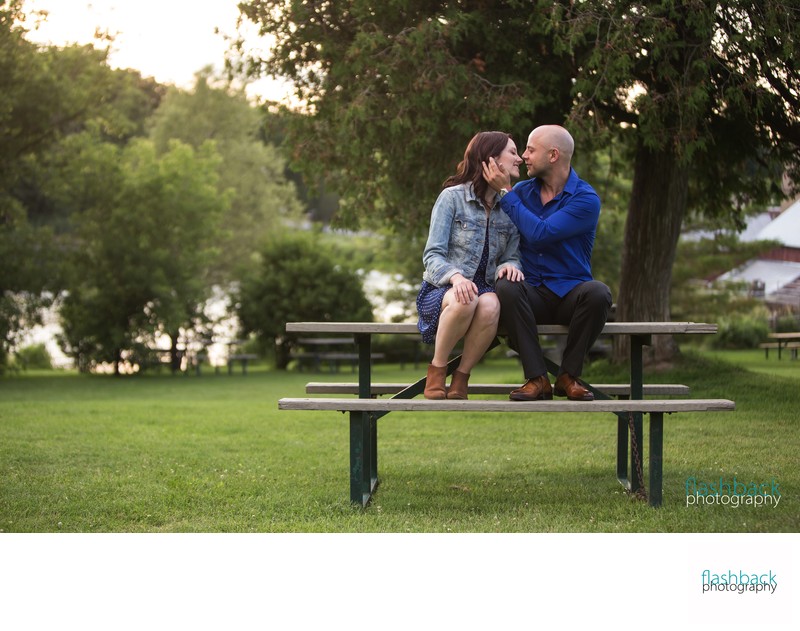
(434, 382)
(458, 385)
(533, 390)
(567, 386)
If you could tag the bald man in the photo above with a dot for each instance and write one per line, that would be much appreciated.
(556, 213)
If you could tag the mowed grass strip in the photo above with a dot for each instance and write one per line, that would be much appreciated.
(213, 453)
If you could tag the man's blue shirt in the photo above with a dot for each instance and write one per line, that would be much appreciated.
(556, 239)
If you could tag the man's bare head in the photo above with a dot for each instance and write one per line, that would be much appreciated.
(555, 137)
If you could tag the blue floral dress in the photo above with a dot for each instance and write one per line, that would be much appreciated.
(429, 299)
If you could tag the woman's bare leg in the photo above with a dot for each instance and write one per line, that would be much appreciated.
(454, 321)
(482, 330)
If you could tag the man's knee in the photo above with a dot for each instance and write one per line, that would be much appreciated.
(508, 291)
(597, 295)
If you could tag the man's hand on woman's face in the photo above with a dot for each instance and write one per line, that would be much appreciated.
(495, 175)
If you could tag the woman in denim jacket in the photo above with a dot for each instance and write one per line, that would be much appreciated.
(471, 244)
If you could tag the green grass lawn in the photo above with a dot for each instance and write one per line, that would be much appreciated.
(163, 453)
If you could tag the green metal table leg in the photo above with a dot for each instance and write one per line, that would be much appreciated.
(363, 431)
(364, 342)
(656, 457)
(622, 426)
(373, 460)
(622, 449)
(637, 393)
(360, 458)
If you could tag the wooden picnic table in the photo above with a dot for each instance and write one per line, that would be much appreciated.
(784, 341)
(364, 414)
(317, 351)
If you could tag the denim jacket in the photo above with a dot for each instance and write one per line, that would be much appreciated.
(457, 234)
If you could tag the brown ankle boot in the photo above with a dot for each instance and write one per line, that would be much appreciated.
(458, 385)
(434, 382)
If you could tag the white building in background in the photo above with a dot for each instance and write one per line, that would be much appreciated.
(775, 275)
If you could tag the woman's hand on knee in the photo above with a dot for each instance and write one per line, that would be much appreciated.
(465, 290)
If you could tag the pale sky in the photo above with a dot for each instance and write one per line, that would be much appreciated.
(166, 39)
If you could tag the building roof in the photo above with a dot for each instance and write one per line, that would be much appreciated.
(774, 274)
(754, 227)
(785, 227)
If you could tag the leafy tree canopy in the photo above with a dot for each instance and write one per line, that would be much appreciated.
(704, 97)
(262, 198)
(47, 93)
(144, 243)
(394, 91)
(715, 83)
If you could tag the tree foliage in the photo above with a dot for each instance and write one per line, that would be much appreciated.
(299, 279)
(144, 243)
(714, 83)
(704, 97)
(251, 169)
(131, 230)
(394, 90)
(709, 95)
(46, 94)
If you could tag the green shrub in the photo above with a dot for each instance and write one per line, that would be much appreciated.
(300, 278)
(787, 323)
(34, 357)
(746, 331)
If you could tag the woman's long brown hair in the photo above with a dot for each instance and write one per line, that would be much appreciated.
(484, 145)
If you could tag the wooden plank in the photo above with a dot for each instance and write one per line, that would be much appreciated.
(325, 341)
(351, 327)
(333, 355)
(612, 389)
(611, 328)
(785, 336)
(477, 405)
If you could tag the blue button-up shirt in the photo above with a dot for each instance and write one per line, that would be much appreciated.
(556, 239)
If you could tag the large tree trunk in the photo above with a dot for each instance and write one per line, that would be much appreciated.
(652, 229)
(283, 350)
(175, 356)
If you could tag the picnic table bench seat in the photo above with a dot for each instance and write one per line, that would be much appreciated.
(363, 483)
(791, 346)
(648, 406)
(630, 406)
(500, 389)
